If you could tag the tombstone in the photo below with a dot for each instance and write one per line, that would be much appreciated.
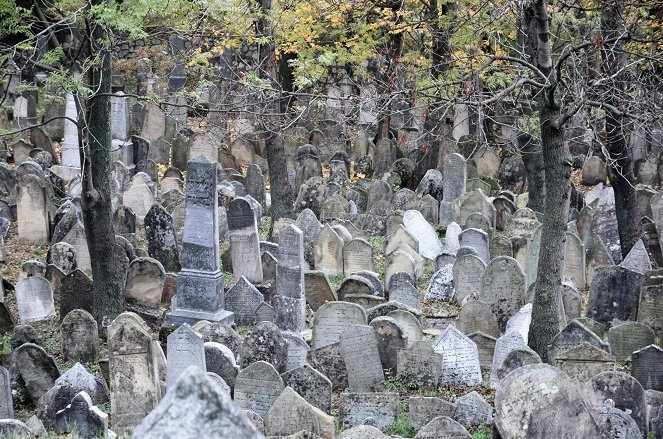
(517, 358)
(292, 414)
(503, 287)
(133, 382)
(318, 290)
(82, 418)
(34, 298)
(359, 347)
(402, 289)
(399, 238)
(467, 272)
(637, 258)
(290, 301)
(200, 283)
(79, 339)
(328, 251)
(624, 390)
(424, 233)
(357, 256)
(264, 343)
(629, 337)
(540, 398)
(312, 385)
(332, 319)
(144, 285)
(571, 300)
(441, 286)
(32, 208)
(244, 242)
(422, 410)
(503, 346)
(355, 408)
(501, 246)
(445, 427)
(69, 147)
(455, 176)
(460, 358)
(242, 298)
(75, 292)
(139, 198)
(472, 409)
(574, 261)
(478, 240)
(647, 367)
(571, 336)
(257, 387)
(161, 238)
(399, 262)
(37, 369)
(420, 363)
(197, 407)
(329, 361)
(185, 349)
(614, 293)
(584, 361)
(63, 256)
(477, 316)
(6, 404)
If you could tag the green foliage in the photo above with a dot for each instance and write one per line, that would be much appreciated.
(483, 431)
(266, 222)
(15, 19)
(336, 280)
(401, 427)
(400, 384)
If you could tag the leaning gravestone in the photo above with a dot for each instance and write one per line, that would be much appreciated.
(472, 409)
(477, 240)
(200, 283)
(475, 316)
(361, 356)
(144, 285)
(312, 385)
(328, 251)
(38, 369)
(34, 298)
(297, 349)
(504, 345)
(571, 336)
(75, 292)
(443, 427)
(441, 286)
(467, 271)
(460, 358)
(196, 408)
(624, 390)
(220, 360)
(503, 288)
(629, 337)
(257, 387)
(133, 381)
(614, 294)
(402, 289)
(185, 349)
(429, 243)
(329, 361)
(291, 414)
(332, 319)
(584, 361)
(244, 241)
(423, 409)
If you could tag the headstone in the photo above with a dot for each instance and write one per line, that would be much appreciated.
(478, 240)
(34, 298)
(518, 358)
(467, 272)
(32, 208)
(332, 319)
(328, 251)
(574, 261)
(38, 369)
(455, 176)
(290, 300)
(571, 336)
(614, 293)
(504, 345)
(297, 349)
(460, 358)
(200, 283)
(242, 298)
(264, 343)
(244, 241)
(424, 233)
(357, 256)
(220, 360)
(476, 315)
(82, 418)
(79, 337)
(145, 279)
(6, 404)
(472, 409)
(650, 308)
(318, 290)
(257, 387)
(420, 363)
(647, 367)
(133, 382)
(637, 258)
(312, 385)
(629, 337)
(615, 422)
(503, 287)
(361, 356)
(443, 427)
(162, 239)
(624, 390)
(75, 292)
(402, 289)
(291, 414)
(139, 198)
(185, 349)
(422, 410)
(584, 361)
(196, 407)
(441, 287)
(355, 408)
(329, 361)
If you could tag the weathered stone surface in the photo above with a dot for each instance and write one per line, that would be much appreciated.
(584, 361)
(614, 293)
(629, 337)
(422, 410)
(37, 368)
(460, 358)
(196, 408)
(572, 335)
(291, 414)
(503, 288)
(79, 337)
(34, 298)
(443, 427)
(312, 385)
(420, 363)
(472, 409)
(257, 387)
(264, 343)
(82, 418)
(329, 361)
(361, 356)
(624, 390)
(476, 315)
(647, 367)
(503, 346)
(334, 318)
(355, 408)
(185, 349)
(517, 358)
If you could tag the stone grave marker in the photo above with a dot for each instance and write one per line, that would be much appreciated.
(332, 319)
(34, 298)
(139, 198)
(242, 298)
(82, 418)
(614, 293)
(420, 363)
(455, 176)
(637, 258)
(162, 239)
(445, 427)
(257, 387)
(503, 346)
(572, 335)
(477, 240)
(220, 360)
(571, 301)
(200, 283)
(476, 315)
(574, 261)
(63, 256)
(647, 367)
(291, 414)
(312, 385)
(517, 358)
(75, 292)
(38, 369)
(584, 361)
(290, 300)
(615, 422)
(467, 271)
(503, 288)
(298, 349)
(355, 408)
(264, 343)
(318, 290)
(390, 337)
(441, 286)
(145, 280)
(359, 348)
(244, 241)
(422, 410)
(429, 243)
(133, 382)
(629, 337)
(185, 348)
(472, 409)
(460, 358)
(79, 339)
(357, 256)
(650, 308)
(486, 347)
(6, 403)
(402, 289)
(328, 251)
(329, 361)
(410, 325)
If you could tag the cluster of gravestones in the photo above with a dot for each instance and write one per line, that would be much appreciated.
(307, 339)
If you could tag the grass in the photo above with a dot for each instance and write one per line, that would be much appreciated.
(401, 426)
(336, 280)
(483, 431)
(266, 224)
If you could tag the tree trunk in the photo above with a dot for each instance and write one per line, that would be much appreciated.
(619, 160)
(532, 155)
(545, 319)
(108, 271)
(441, 50)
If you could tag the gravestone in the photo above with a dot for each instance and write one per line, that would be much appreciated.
(200, 283)
(329, 361)
(162, 239)
(574, 261)
(196, 408)
(332, 319)
(357, 256)
(503, 346)
(503, 288)
(637, 258)
(291, 414)
(185, 349)
(124, 223)
(424, 233)
(422, 410)
(460, 358)
(264, 343)
(477, 316)
(615, 422)
(312, 385)
(624, 390)
(133, 382)
(144, 285)
(328, 251)
(318, 290)
(445, 427)
(402, 289)
(242, 299)
(455, 176)
(139, 198)
(518, 358)
(37, 369)
(571, 336)
(290, 300)
(467, 271)
(629, 337)
(75, 292)
(34, 298)
(614, 293)
(355, 408)
(647, 367)
(441, 286)
(32, 207)
(6, 404)
(257, 387)
(62, 255)
(79, 339)
(584, 361)
(219, 359)
(650, 308)
(477, 240)
(420, 363)
(359, 348)
(571, 300)
(390, 337)
(244, 241)
(472, 409)
(297, 349)
(82, 418)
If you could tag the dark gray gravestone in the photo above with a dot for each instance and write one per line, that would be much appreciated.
(647, 367)
(244, 241)
(162, 239)
(445, 427)
(63, 256)
(200, 283)
(124, 223)
(290, 300)
(264, 343)
(624, 390)
(75, 293)
(476, 315)
(503, 288)
(391, 338)
(614, 294)
(421, 410)
(472, 409)
(629, 337)
(82, 418)
(312, 385)
(220, 360)
(402, 289)
(79, 337)
(572, 335)
(657, 424)
(329, 361)
(37, 368)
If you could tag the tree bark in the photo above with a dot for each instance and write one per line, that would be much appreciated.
(108, 270)
(530, 151)
(620, 159)
(545, 319)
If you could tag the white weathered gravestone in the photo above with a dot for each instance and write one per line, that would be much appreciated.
(460, 358)
(429, 243)
(34, 298)
(244, 241)
(69, 147)
(185, 348)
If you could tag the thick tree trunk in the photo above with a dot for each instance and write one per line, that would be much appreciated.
(620, 159)
(545, 319)
(108, 270)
